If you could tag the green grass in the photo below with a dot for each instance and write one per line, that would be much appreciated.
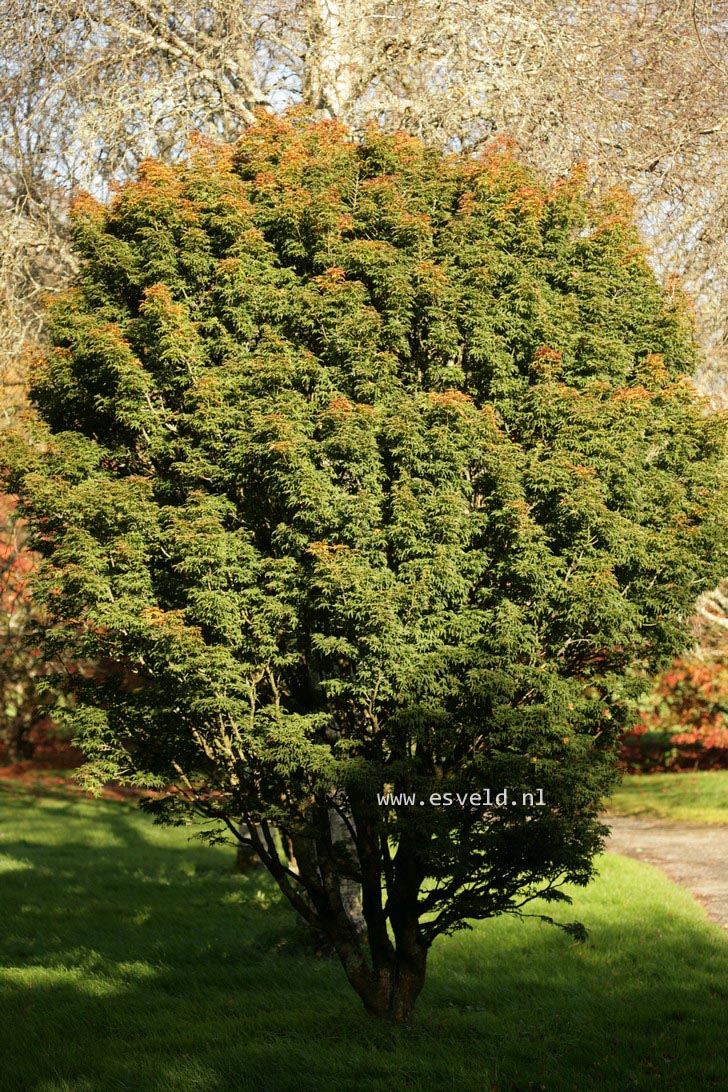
(700, 797)
(133, 959)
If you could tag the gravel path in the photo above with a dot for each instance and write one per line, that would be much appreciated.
(691, 854)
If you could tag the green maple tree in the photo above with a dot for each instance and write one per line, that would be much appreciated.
(376, 470)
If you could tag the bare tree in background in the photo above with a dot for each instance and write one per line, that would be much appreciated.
(636, 88)
(712, 617)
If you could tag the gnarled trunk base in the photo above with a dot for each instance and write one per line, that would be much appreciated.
(391, 994)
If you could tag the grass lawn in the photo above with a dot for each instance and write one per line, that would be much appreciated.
(133, 959)
(700, 797)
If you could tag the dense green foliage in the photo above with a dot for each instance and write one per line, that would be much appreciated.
(374, 469)
(140, 961)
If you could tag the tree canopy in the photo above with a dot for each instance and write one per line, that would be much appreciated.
(376, 470)
(637, 90)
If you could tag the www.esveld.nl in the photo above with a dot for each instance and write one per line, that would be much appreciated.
(486, 798)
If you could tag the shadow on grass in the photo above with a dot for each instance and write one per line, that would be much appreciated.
(133, 959)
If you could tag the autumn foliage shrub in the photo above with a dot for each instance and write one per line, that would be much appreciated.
(24, 718)
(29, 699)
(683, 722)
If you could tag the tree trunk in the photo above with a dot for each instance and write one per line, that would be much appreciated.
(349, 889)
(386, 971)
(405, 991)
(17, 744)
(331, 63)
(392, 994)
(246, 859)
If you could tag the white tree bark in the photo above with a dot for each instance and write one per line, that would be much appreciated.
(331, 63)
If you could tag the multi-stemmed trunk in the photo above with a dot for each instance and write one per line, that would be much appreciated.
(333, 875)
(390, 992)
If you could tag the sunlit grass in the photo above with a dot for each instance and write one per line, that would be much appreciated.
(134, 959)
(700, 797)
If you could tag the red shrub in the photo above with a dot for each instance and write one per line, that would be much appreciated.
(684, 722)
